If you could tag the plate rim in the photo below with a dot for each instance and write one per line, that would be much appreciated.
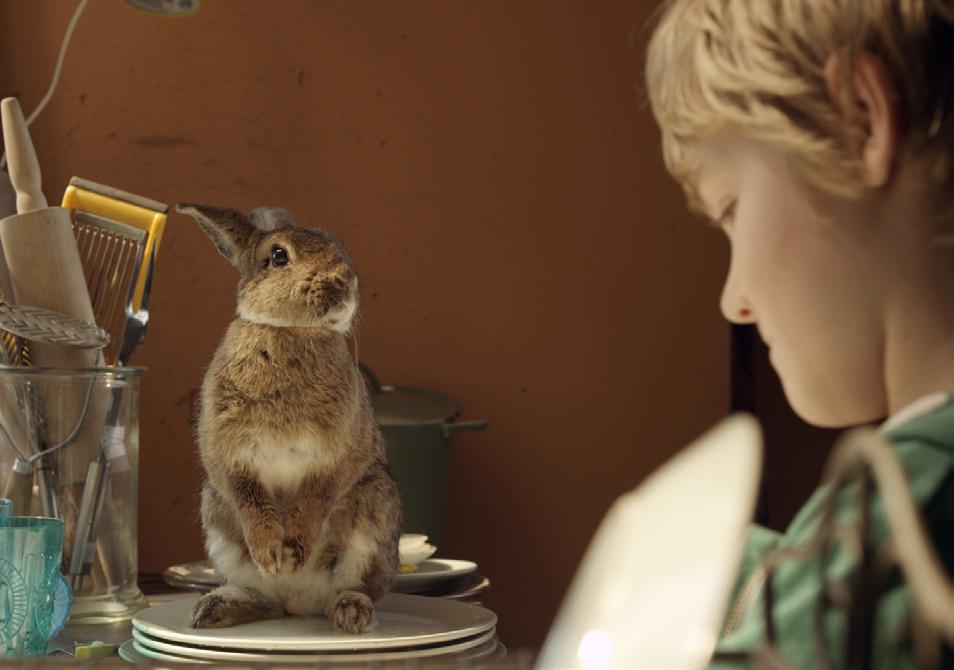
(129, 652)
(488, 620)
(463, 567)
(422, 580)
(386, 654)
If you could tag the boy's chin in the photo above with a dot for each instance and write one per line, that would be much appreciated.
(823, 412)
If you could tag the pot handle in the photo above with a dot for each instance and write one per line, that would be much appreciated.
(461, 426)
(374, 384)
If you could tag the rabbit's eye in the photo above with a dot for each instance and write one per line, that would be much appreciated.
(279, 257)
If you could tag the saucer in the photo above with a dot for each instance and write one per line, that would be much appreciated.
(431, 573)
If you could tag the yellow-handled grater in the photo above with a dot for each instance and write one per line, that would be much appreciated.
(118, 236)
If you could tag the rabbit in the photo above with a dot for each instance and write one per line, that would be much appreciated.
(299, 509)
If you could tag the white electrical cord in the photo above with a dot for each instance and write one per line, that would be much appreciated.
(71, 26)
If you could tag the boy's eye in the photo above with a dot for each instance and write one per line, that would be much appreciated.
(279, 256)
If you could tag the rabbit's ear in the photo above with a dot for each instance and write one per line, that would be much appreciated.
(267, 219)
(228, 228)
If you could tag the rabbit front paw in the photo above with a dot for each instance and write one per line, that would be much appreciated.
(265, 546)
(297, 544)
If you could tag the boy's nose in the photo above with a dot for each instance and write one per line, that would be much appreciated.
(735, 307)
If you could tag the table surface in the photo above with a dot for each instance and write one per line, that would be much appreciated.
(109, 633)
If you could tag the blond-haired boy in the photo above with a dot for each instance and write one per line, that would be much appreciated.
(819, 135)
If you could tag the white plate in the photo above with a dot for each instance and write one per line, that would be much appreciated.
(131, 652)
(430, 573)
(145, 643)
(403, 621)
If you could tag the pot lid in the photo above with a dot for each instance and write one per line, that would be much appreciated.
(406, 406)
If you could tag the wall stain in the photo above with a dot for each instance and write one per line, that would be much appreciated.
(162, 141)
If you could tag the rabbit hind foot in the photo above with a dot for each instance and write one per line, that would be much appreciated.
(231, 605)
(352, 612)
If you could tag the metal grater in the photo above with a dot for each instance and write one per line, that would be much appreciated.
(112, 255)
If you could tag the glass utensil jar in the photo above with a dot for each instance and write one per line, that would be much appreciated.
(69, 449)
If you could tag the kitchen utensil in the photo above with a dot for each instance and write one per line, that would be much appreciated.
(118, 236)
(137, 318)
(418, 425)
(654, 584)
(44, 325)
(90, 511)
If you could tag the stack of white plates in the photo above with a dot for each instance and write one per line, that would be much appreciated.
(408, 627)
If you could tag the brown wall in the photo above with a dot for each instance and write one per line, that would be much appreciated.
(496, 174)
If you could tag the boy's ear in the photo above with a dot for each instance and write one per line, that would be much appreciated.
(228, 228)
(873, 98)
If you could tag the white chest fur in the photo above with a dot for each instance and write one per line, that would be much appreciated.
(282, 462)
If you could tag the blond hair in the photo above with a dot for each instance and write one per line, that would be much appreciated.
(758, 67)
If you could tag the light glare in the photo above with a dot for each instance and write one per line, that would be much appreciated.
(595, 650)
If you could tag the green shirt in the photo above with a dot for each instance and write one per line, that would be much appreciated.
(925, 447)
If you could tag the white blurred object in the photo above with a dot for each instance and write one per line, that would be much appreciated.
(654, 584)
(413, 548)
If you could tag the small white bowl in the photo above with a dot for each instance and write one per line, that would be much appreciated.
(412, 541)
(413, 553)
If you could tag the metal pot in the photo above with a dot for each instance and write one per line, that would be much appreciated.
(417, 425)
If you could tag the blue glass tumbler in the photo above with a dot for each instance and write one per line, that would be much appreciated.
(30, 553)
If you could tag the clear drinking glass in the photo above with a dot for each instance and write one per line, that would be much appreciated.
(69, 449)
(5, 506)
(30, 551)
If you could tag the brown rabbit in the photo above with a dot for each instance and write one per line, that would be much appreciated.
(301, 515)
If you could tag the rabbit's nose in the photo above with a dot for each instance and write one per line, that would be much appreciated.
(341, 287)
(346, 275)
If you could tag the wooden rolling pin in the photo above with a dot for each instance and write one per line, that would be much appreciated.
(44, 268)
